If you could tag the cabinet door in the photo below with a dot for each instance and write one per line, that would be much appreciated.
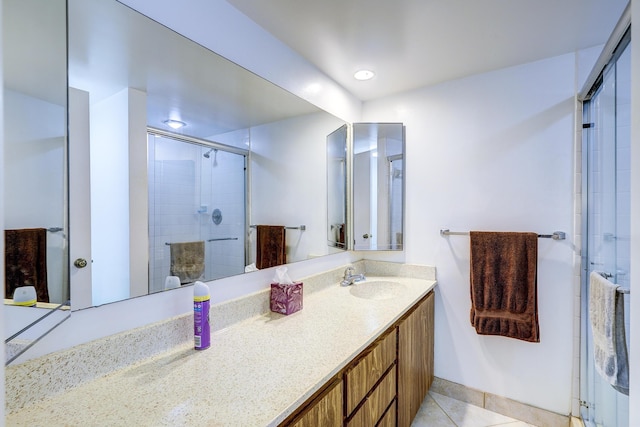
(325, 411)
(415, 359)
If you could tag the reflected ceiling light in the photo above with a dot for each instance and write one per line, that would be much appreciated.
(175, 124)
(364, 75)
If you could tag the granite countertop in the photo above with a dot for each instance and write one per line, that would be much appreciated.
(256, 372)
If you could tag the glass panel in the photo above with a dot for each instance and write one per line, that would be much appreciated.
(337, 188)
(378, 183)
(196, 194)
(608, 221)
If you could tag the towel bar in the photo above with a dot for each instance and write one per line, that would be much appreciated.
(300, 227)
(609, 276)
(557, 235)
(211, 240)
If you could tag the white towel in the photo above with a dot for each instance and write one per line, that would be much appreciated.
(606, 313)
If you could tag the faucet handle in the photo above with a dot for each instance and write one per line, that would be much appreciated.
(348, 271)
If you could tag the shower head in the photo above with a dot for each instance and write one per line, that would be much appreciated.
(208, 153)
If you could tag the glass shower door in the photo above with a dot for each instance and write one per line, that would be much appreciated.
(197, 193)
(606, 142)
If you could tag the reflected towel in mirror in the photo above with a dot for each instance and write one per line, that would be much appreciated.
(270, 246)
(25, 259)
(187, 261)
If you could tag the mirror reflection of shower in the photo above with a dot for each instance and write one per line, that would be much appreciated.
(215, 155)
(189, 190)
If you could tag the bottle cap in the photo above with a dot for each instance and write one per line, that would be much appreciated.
(200, 291)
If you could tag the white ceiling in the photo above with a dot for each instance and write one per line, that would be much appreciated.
(414, 43)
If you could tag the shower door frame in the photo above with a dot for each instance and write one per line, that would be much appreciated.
(226, 148)
(591, 397)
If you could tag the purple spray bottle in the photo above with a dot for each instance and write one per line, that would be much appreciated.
(201, 327)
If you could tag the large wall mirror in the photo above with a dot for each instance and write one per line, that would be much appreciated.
(193, 201)
(34, 56)
(378, 186)
(249, 155)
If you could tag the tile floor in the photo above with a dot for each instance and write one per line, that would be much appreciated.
(438, 410)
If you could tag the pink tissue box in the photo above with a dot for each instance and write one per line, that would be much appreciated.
(286, 299)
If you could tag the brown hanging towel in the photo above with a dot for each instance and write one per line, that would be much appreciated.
(25, 261)
(187, 261)
(270, 246)
(504, 295)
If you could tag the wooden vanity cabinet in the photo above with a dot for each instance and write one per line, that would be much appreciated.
(385, 385)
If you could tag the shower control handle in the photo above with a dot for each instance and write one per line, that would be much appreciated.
(80, 263)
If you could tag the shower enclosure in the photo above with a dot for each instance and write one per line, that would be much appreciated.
(606, 220)
(197, 192)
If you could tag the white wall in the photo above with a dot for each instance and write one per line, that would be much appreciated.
(494, 152)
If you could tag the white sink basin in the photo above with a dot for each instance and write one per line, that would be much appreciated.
(377, 290)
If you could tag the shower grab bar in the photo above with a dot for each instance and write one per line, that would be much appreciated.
(557, 235)
(210, 240)
(300, 227)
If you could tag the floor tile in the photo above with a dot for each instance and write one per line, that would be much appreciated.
(466, 415)
(431, 415)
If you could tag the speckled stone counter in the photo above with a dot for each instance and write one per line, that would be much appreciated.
(256, 372)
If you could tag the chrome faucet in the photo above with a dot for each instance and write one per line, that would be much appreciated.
(350, 278)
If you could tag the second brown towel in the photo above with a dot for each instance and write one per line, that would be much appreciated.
(25, 261)
(504, 294)
(270, 246)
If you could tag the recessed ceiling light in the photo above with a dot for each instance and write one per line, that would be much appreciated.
(175, 124)
(364, 75)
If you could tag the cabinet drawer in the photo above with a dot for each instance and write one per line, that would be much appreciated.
(326, 411)
(377, 402)
(368, 370)
(389, 419)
